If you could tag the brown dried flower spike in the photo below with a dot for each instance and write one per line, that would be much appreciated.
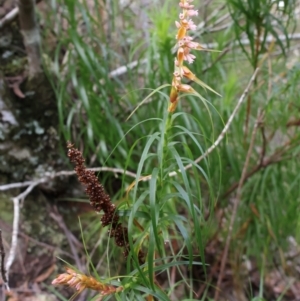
(99, 200)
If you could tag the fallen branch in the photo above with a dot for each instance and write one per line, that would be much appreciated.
(51, 176)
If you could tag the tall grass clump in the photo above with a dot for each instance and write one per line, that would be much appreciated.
(160, 221)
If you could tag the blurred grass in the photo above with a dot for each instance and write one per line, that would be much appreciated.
(95, 38)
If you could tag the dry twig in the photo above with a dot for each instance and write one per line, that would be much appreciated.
(62, 173)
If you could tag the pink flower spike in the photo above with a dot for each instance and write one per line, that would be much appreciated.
(177, 24)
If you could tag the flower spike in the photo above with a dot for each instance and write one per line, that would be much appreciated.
(184, 45)
(81, 282)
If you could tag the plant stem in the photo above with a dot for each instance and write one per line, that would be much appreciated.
(165, 148)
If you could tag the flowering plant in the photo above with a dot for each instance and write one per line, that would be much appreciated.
(101, 201)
